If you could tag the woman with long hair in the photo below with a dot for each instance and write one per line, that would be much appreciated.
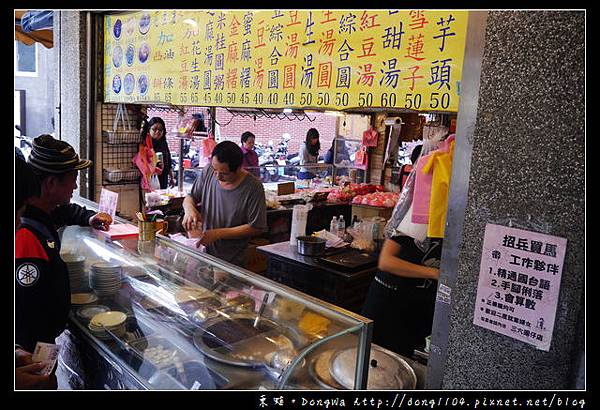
(309, 153)
(158, 131)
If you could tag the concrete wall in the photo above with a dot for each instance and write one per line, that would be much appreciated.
(39, 93)
(526, 128)
(70, 43)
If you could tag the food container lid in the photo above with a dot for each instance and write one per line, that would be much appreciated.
(387, 370)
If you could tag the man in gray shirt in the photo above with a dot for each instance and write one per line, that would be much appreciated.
(229, 202)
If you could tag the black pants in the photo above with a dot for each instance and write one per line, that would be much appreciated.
(403, 316)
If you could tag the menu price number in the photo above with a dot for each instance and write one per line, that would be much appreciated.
(323, 99)
(365, 99)
(341, 99)
(306, 99)
(415, 101)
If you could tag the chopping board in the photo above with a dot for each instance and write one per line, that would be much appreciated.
(350, 260)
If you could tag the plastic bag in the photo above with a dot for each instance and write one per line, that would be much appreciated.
(207, 145)
(402, 206)
(409, 228)
(362, 158)
(369, 138)
(146, 160)
(154, 182)
(362, 232)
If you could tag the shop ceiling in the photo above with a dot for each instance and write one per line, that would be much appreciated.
(33, 26)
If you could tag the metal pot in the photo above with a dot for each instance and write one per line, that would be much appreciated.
(311, 245)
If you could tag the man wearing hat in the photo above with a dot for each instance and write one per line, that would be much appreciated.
(42, 280)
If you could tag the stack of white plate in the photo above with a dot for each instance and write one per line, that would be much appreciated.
(112, 321)
(105, 278)
(78, 277)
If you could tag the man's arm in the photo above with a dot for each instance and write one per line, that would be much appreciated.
(191, 216)
(235, 232)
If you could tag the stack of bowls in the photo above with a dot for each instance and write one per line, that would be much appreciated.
(78, 277)
(105, 278)
(112, 321)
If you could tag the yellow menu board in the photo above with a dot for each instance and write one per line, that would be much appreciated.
(333, 59)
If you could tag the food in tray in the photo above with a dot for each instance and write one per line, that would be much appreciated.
(188, 293)
(240, 303)
(162, 356)
(286, 309)
(314, 325)
(208, 310)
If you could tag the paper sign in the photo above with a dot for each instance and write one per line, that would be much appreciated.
(335, 59)
(519, 284)
(108, 202)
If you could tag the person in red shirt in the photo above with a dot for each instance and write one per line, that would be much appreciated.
(250, 158)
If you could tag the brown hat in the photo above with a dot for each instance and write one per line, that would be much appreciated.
(55, 156)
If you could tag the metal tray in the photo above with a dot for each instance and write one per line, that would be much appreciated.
(235, 341)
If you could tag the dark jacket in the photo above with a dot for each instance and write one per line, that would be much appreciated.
(42, 290)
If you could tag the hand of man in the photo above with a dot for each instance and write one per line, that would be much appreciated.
(26, 377)
(191, 219)
(210, 236)
(101, 221)
(22, 357)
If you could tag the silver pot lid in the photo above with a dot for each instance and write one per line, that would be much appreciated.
(387, 370)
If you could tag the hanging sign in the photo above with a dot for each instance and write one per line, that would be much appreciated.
(334, 59)
(519, 284)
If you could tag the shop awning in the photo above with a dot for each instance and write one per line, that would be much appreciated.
(34, 26)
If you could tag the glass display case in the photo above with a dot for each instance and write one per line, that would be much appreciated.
(170, 317)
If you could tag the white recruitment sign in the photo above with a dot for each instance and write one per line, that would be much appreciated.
(108, 202)
(519, 284)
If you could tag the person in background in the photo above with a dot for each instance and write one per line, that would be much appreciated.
(406, 284)
(158, 131)
(309, 153)
(42, 291)
(342, 156)
(250, 159)
(230, 205)
(26, 377)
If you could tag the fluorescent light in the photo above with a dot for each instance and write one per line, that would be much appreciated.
(334, 113)
(287, 110)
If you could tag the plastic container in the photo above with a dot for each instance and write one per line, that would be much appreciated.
(299, 218)
(341, 227)
(333, 226)
(195, 375)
